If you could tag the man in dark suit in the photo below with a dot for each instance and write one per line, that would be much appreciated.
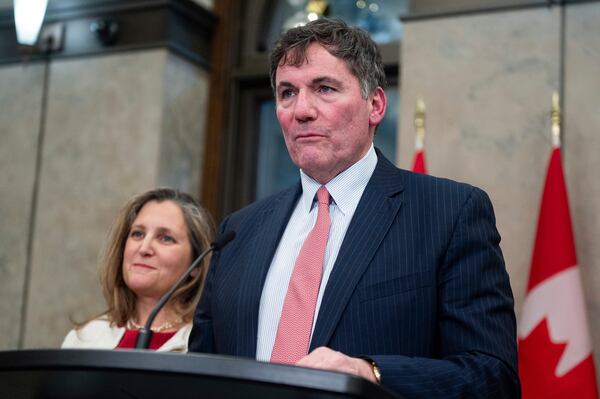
(410, 288)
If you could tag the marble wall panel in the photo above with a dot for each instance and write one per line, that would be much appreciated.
(582, 148)
(20, 104)
(185, 101)
(487, 81)
(103, 130)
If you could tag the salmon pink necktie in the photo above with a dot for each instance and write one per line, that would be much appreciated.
(295, 325)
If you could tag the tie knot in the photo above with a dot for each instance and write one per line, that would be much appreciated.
(323, 195)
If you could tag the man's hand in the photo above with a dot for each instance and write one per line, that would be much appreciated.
(328, 359)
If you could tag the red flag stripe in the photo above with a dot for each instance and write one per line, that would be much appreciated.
(419, 162)
(554, 248)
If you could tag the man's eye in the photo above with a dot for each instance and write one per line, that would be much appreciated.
(286, 93)
(326, 89)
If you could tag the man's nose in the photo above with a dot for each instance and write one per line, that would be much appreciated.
(305, 109)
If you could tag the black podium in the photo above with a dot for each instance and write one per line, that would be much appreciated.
(127, 374)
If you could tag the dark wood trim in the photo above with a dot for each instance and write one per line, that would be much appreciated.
(241, 173)
(256, 21)
(220, 108)
(182, 26)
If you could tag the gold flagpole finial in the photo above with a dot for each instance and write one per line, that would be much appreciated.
(316, 7)
(555, 118)
(420, 123)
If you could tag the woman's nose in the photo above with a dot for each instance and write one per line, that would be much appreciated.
(146, 247)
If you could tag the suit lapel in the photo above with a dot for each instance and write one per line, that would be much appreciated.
(268, 228)
(372, 219)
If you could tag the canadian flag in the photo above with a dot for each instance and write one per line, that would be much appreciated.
(419, 161)
(555, 351)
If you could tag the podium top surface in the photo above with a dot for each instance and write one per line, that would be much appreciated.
(71, 373)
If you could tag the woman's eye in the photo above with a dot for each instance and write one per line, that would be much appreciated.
(167, 238)
(136, 234)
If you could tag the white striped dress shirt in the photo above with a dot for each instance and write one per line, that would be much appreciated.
(345, 189)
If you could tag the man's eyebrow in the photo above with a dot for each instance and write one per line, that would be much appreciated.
(315, 82)
(284, 83)
(326, 79)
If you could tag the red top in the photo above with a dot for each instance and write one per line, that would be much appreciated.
(158, 339)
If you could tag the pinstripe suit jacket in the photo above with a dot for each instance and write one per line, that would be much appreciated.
(419, 286)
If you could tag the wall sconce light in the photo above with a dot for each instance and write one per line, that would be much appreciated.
(29, 15)
(106, 30)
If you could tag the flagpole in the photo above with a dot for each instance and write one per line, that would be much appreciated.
(420, 125)
(419, 159)
(555, 118)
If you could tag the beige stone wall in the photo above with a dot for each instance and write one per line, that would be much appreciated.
(487, 80)
(115, 125)
(184, 119)
(20, 104)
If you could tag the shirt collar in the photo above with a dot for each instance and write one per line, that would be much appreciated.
(346, 188)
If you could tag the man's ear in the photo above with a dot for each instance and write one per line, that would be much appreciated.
(378, 104)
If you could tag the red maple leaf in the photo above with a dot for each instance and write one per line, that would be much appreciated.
(538, 357)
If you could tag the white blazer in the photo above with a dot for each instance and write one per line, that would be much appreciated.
(99, 334)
